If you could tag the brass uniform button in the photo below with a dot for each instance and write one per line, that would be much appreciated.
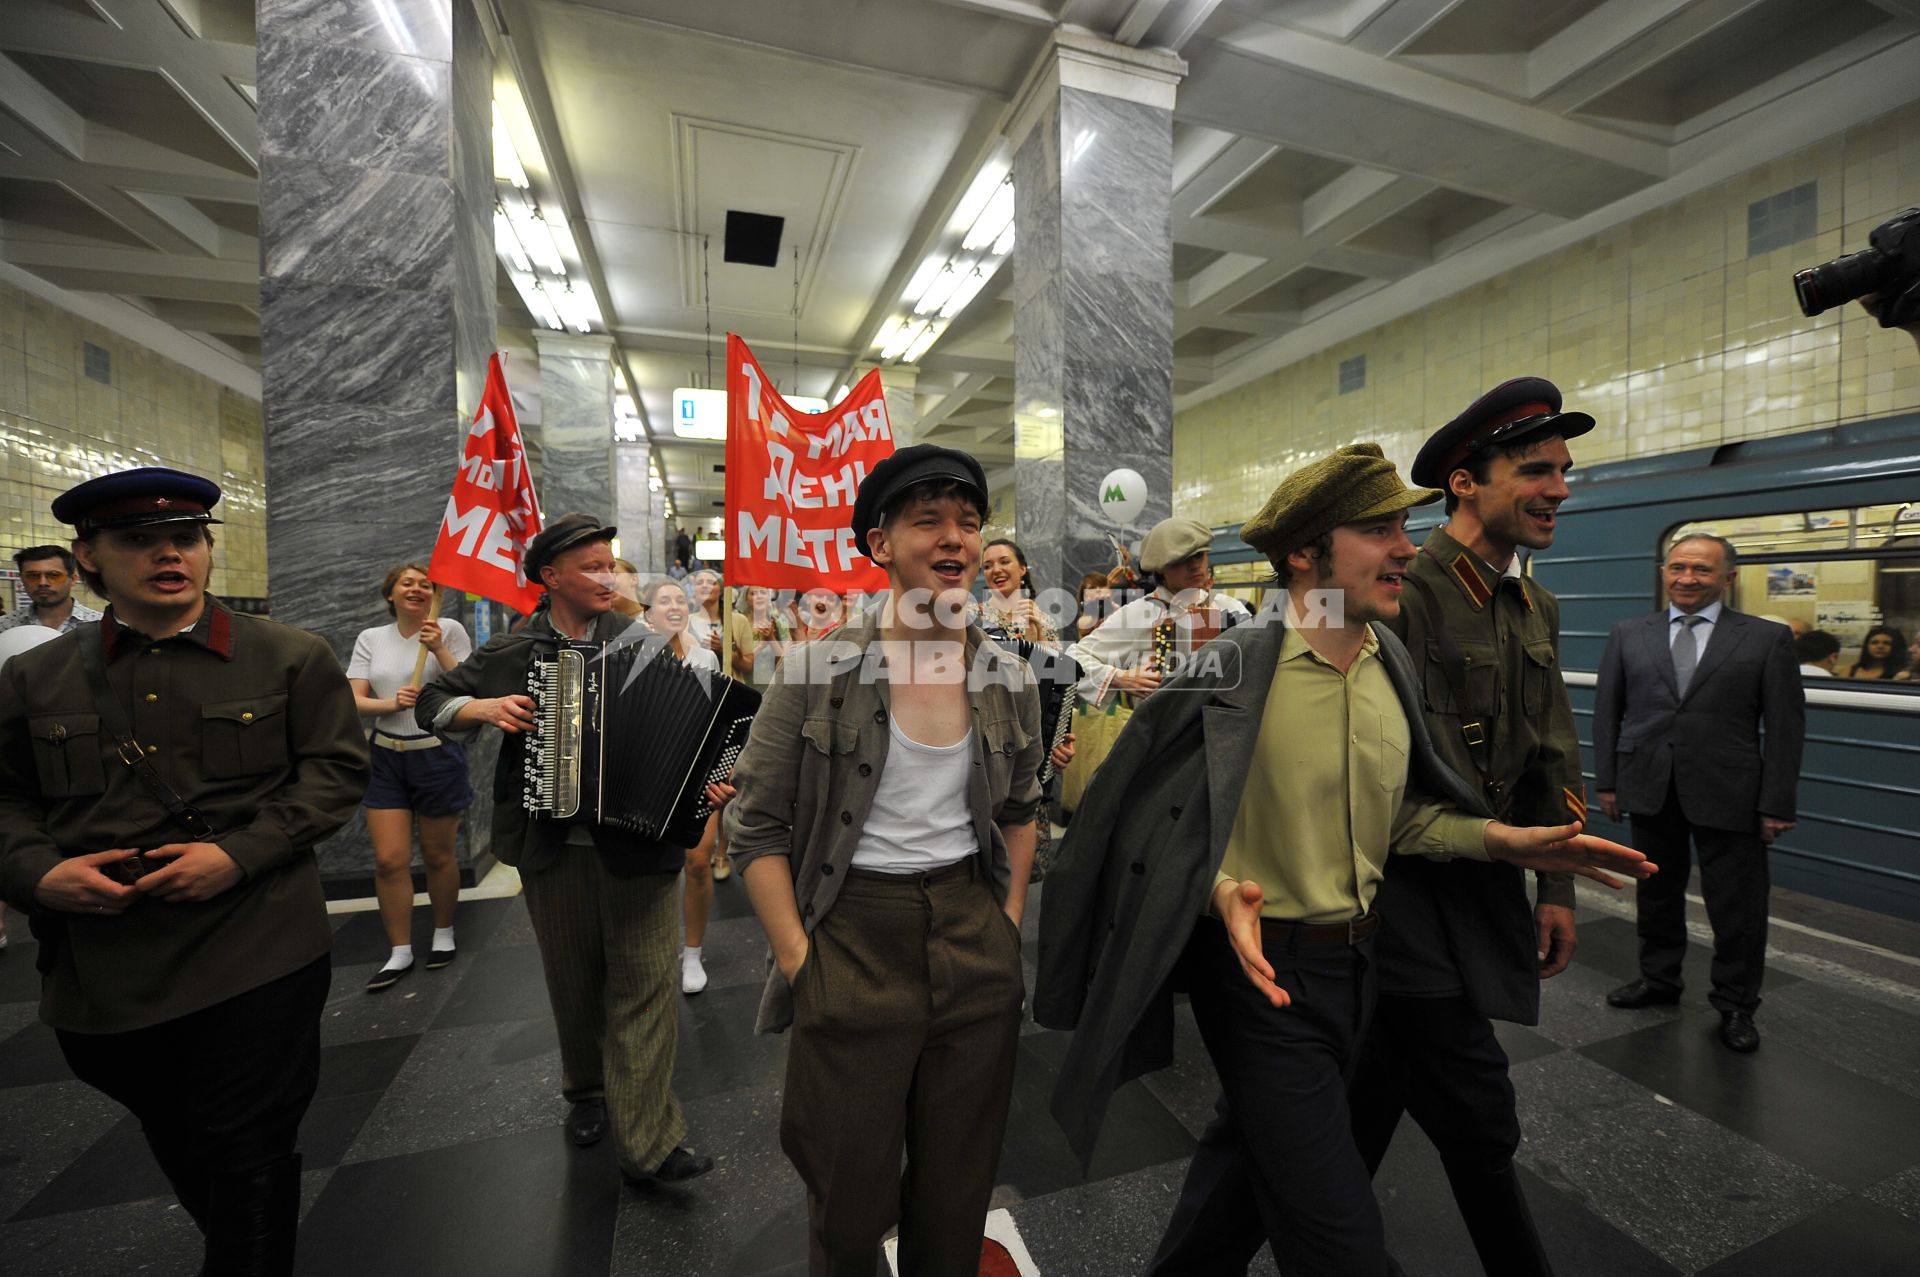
(152, 696)
(246, 716)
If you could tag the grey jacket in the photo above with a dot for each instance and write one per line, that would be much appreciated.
(1136, 869)
(1645, 734)
(813, 763)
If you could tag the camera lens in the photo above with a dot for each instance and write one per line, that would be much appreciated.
(1850, 275)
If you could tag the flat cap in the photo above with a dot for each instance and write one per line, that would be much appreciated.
(892, 477)
(1512, 412)
(1353, 484)
(1172, 540)
(137, 498)
(563, 534)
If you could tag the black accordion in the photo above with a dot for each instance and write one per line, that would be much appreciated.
(627, 736)
(1058, 675)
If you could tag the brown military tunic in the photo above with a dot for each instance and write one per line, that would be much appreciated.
(247, 720)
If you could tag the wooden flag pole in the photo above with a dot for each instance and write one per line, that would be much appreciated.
(420, 661)
(726, 630)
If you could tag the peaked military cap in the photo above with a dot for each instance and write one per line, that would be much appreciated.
(137, 498)
(1512, 412)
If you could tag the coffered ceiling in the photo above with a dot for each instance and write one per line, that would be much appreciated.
(1337, 162)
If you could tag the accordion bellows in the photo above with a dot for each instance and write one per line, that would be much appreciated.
(625, 735)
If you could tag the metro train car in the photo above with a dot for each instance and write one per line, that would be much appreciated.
(1827, 524)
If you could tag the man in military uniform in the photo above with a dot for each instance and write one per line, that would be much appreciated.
(604, 902)
(164, 776)
(1458, 948)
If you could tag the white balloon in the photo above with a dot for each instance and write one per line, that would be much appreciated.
(21, 637)
(1123, 496)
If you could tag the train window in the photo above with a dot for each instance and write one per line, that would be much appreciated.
(1853, 572)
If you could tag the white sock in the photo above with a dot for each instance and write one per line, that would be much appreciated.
(693, 952)
(402, 956)
(443, 938)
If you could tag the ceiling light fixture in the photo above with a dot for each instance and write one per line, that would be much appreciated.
(506, 242)
(534, 233)
(537, 300)
(993, 220)
(506, 160)
(928, 335)
(901, 339)
(969, 289)
(1003, 245)
(577, 307)
(943, 287)
(986, 183)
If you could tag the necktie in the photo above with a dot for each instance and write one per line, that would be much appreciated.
(1686, 652)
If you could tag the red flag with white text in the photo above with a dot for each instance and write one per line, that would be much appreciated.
(493, 513)
(791, 480)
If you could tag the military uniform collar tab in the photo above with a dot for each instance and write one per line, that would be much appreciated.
(213, 631)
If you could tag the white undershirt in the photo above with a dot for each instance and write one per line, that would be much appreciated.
(385, 660)
(921, 819)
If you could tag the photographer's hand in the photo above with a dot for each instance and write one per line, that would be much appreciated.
(1910, 300)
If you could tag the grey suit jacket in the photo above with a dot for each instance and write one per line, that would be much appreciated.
(1135, 871)
(1710, 744)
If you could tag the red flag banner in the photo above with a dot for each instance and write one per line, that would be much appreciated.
(791, 480)
(493, 513)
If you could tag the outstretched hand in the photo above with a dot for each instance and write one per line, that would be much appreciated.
(1238, 904)
(1564, 849)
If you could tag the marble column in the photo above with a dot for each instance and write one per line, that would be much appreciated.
(1093, 295)
(900, 382)
(634, 506)
(576, 424)
(376, 304)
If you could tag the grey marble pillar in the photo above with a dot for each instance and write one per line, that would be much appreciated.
(901, 383)
(1093, 296)
(376, 296)
(634, 506)
(576, 424)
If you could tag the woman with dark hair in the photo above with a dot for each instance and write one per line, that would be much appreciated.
(669, 613)
(1882, 655)
(416, 776)
(1008, 614)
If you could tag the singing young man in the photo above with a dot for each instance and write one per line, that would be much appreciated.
(884, 825)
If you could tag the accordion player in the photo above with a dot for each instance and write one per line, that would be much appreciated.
(627, 736)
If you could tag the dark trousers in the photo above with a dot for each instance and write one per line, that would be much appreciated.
(1438, 1060)
(219, 1092)
(1280, 1148)
(906, 1019)
(1734, 882)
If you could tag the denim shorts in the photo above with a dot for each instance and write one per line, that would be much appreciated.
(428, 782)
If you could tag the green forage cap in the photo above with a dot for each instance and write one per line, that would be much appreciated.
(1352, 485)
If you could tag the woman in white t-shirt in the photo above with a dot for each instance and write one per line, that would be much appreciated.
(668, 613)
(415, 774)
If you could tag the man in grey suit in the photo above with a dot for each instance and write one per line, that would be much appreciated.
(1233, 841)
(1698, 721)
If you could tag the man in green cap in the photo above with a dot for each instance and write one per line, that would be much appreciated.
(1264, 789)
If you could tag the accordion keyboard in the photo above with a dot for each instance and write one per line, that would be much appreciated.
(552, 769)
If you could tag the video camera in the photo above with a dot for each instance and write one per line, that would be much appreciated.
(1889, 266)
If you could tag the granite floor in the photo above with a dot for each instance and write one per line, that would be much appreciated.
(434, 1146)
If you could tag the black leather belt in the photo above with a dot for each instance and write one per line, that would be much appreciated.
(1353, 931)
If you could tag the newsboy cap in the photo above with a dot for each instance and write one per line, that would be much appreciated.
(137, 498)
(1353, 484)
(1172, 540)
(1512, 412)
(563, 534)
(892, 477)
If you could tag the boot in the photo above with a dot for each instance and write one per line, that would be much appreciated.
(252, 1219)
(1494, 1206)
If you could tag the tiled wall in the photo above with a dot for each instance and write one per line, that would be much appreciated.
(1663, 328)
(59, 426)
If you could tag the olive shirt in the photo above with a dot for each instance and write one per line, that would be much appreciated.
(1325, 733)
(812, 766)
(247, 720)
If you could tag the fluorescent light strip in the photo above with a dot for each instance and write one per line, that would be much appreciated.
(506, 160)
(928, 335)
(943, 286)
(994, 219)
(898, 343)
(506, 242)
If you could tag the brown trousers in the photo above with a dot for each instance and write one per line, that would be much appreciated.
(906, 1019)
(607, 946)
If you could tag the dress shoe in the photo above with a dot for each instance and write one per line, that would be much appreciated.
(682, 1164)
(1737, 1030)
(587, 1122)
(1640, 993)
(722, 868)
